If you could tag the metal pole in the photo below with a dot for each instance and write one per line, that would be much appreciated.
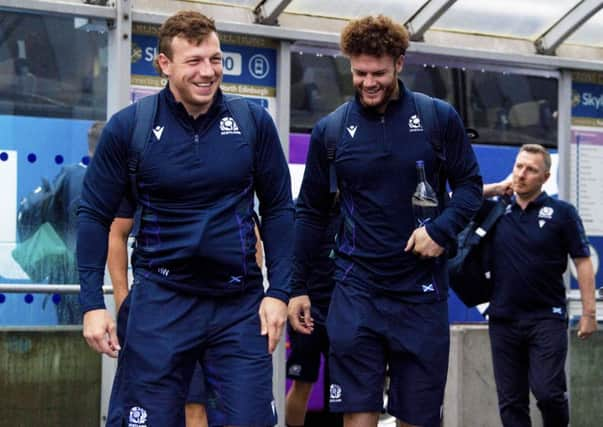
(42, 288)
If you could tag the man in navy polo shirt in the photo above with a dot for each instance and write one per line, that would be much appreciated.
(198, 292)
(528, 313)
(390, 303)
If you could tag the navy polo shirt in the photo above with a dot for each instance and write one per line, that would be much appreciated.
(531, 249)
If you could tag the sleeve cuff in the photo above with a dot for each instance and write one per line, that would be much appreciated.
(278, 294)
(87, 308)
(437, 235)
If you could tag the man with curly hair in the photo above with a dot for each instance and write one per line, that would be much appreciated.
(389, 307)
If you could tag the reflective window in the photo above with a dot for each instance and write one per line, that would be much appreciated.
(505, 108)
(53, 84)
(52, 66)
(319, 83)
(511, 109)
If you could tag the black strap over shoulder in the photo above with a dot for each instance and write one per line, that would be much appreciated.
(144, 120)
(426, 108)
(334, 128)
(239, 108)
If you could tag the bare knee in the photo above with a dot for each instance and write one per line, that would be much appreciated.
(195, 415)
(361, 419)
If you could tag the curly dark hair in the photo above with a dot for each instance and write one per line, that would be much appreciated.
(188, 24)
(374, 35)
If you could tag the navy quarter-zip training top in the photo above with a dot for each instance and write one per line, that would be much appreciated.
(196, 181)
(376, 169)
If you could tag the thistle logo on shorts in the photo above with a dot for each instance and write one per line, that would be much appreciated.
(138, 417)
(335, 393)
(295, 370)
(414, 124)
(228, 126)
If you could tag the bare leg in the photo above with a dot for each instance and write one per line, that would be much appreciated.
(361, 419)
(195, 415)
(297, 403)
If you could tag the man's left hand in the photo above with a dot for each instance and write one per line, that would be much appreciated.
(273, 315)
(422, 245)
(587, 326)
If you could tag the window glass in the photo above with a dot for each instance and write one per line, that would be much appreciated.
(511, 109)
(504, 108)
(319, 83)
(53, 84)
(52, 66)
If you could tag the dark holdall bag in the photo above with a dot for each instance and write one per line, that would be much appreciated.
(469, 265)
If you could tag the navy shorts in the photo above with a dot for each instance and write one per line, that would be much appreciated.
(303, 363)
(167, 332)
(196, 389)
(368, 332)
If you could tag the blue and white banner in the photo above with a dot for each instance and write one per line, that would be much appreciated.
(249, 63)
(587, 99)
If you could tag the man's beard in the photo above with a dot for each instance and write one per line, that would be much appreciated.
(388, 94)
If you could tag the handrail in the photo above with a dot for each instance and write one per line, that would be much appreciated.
(44, 288)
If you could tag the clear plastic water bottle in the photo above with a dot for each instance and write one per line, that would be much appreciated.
(424, 199)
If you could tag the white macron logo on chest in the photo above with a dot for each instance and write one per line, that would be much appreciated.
(352, 130)
(158, 131)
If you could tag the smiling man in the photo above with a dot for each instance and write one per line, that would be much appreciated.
(528, 312)
(198, 293)
(389, 307)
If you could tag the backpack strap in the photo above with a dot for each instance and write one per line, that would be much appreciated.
(497, 211)
(426, 108)
(333, 130)
(242, 115)
(144, 119)
(493, 216)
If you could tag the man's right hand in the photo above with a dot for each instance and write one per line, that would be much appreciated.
(100, 332)
(299, 314)
(501, 188)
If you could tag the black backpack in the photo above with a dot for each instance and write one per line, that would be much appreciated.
(39, 206)
(469, 264)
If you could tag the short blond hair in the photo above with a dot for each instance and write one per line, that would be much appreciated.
(538, 149)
